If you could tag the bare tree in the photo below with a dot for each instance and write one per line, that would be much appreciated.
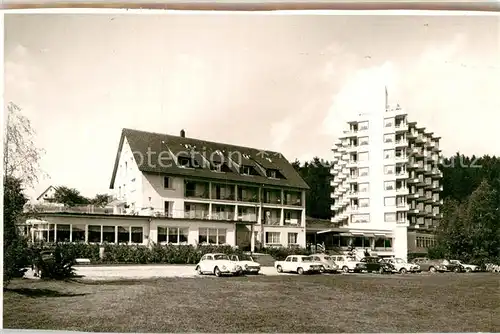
(21, 156)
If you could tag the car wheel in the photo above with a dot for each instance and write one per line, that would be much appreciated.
(468, 270)
(403, 271)
(300, 271)
(279, 269)
(198, 270)
(381, 270)
(217, 272)
(432, 269)
(345, 269)
(322, 269)
(457, 270)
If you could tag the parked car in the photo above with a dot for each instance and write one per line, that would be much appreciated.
(298, 263)
(218, 264)
(402, 266)
(467, 267)
(371, 264)
(436, 265)
(345, 263)
(329, 265)
(247, 263)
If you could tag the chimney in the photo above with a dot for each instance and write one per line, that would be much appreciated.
(183, 133)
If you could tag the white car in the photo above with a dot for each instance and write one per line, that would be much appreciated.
(345, 262)
(328, 264)
(299, 264)
(467, 267)
(218, 264)
(247, 263)
(402, 266)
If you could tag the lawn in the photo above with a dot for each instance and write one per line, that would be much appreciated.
(289, 303)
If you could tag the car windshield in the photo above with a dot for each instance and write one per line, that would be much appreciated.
(351, 258)
(327, 258)
(399, 261)
(221, 257)
(455, 261)
(307, 259)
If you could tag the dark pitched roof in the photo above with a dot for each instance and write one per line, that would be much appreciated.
(205, 154)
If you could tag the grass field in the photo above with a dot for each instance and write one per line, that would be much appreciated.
(322, 303)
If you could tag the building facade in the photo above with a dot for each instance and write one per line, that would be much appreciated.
(386, 184)
(183, 190)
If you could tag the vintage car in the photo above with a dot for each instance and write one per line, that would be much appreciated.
(469, 268)
(329, 265)
(299, 264)
(346, 263)
(371, 264)
(402, 266)
(247, 263)
(436, 265)
(218, 264)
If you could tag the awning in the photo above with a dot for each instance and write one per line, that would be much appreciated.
(325, 231)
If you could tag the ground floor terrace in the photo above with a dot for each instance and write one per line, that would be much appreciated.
(377, 242)
(145, 230)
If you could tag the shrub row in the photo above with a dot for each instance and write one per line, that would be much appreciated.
(157, 254)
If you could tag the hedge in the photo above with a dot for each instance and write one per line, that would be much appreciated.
(157, 254)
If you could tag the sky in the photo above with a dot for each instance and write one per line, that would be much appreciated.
(279, 82)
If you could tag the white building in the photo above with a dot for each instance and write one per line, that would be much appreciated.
(173, 189)
(386, 184)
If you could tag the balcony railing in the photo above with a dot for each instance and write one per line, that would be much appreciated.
(196, 194)
(222, 216)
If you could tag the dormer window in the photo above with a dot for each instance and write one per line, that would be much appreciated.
(246, 170)
(273, 174)
(246, 156)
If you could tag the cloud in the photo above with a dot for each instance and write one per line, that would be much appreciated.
(363, 91)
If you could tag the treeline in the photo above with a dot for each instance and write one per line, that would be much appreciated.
(72, 197)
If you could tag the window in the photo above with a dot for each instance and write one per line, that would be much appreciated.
(292, 238)
(388, 154)
(364, 202)
(167, 210)
(273, 238)
(166, 182)
(172, 235)
(136, 235)
(388, 139)
(363, 125)
(123, 234)
(294, 259)
(363, 218)
(390, 217)
(246, 170)
(389, 169)
(94, 233)
(389, 185)
(288, 259)
(363, 156)
(364, 171)
(388, 122)
(216, 236)
(108, 234)
(363, 141)
(77, 233)
(63, 233)
(364, 187)
(389, 201)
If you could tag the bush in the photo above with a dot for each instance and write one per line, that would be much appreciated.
(58, 266)
(16, 260)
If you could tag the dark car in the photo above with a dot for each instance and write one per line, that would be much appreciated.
(371, 264)
(440, 265)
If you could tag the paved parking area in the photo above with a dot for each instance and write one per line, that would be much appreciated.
(114, 272)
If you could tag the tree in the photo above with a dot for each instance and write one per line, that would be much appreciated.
(21, 156)
(15, 246)
(69, 196)
(100, 200)
(470, 230)
(316, 173)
